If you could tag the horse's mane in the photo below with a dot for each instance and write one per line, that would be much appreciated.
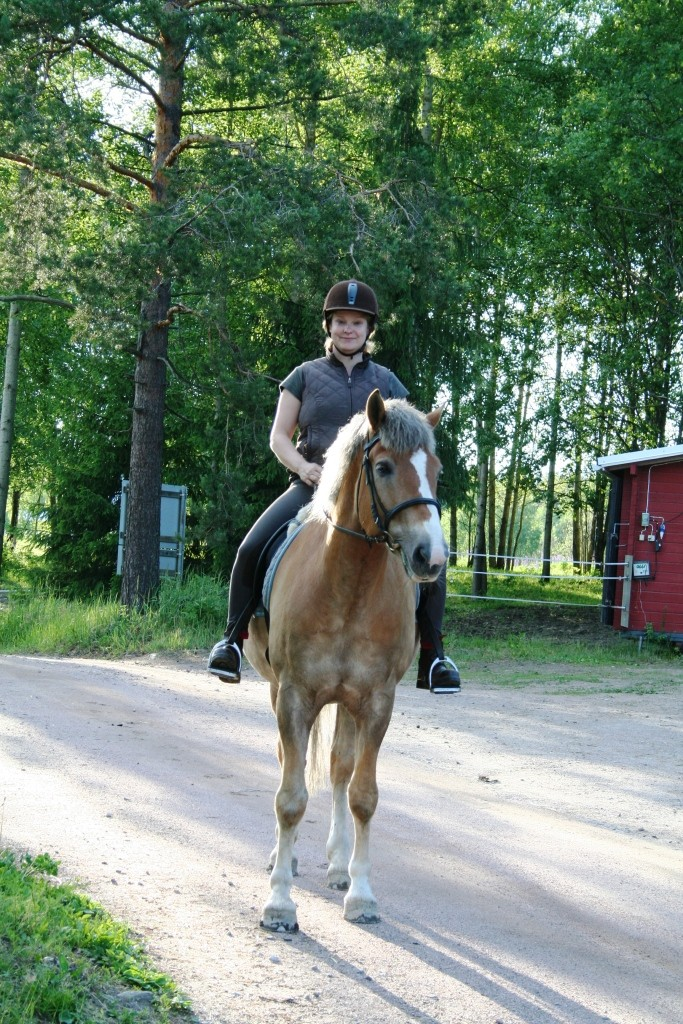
(404, 429)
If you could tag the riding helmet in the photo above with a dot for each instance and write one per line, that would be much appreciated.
(352, 295)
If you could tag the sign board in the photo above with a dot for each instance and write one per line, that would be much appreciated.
(171, 528)
(641, 570)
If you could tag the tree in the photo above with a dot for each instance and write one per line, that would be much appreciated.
(164, 174)
(9, 393)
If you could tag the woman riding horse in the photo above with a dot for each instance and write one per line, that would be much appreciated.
(317, 399)
(341, 635)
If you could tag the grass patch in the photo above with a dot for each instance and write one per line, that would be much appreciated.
(187, 615)
(504, 642)
(551, 633)
(63, 959)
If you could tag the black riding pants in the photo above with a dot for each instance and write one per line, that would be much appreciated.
(245, 581)
(244, 585)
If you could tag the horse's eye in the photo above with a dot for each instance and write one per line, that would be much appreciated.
(383, 468)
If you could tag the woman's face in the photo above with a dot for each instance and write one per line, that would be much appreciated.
(348, 331)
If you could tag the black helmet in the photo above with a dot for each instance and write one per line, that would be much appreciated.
(352, 295)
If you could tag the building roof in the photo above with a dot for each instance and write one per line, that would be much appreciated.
(672, 453)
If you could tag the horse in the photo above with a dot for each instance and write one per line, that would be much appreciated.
(342, 632)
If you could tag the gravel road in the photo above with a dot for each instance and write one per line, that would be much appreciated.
(527, 850)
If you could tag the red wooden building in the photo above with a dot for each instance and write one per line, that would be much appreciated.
(643, 587)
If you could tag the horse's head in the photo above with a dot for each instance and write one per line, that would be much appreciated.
(401, 470)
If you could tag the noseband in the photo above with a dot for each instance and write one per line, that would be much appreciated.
(380, 514)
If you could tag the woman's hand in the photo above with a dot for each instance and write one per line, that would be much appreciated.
(310, 473)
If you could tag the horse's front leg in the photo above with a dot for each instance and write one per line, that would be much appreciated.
(273, 852)
(338, 847)
(360, 904)
(294, 724)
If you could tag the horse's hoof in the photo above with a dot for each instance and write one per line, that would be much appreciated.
(280, 918)
(361, 911)
(338, 879)
(282, 926)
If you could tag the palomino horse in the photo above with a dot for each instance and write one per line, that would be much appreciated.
(342, 631)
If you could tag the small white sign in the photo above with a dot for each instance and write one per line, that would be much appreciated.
(641, 570)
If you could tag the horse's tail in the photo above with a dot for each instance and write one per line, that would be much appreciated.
(319, 749)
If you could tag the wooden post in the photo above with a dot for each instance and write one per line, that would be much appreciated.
(626, 590)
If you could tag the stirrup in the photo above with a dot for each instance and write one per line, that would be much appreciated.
(450, 687)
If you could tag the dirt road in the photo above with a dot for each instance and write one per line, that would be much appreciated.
(527, 849)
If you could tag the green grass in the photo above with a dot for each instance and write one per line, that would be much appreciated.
(64, 960)
(533, 632)
(547, 626)
(525, 586)
(521, 619)
(187, 616)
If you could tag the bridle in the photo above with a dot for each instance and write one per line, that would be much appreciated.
(380, 514)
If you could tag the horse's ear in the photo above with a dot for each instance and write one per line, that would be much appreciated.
(374, 410)
(434, 416)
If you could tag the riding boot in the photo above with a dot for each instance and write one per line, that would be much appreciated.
(436, 672)
(225, 660)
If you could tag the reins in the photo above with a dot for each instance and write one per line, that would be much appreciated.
(381, 516)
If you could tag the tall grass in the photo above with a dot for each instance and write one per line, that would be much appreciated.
(546, 622)
(187, 615)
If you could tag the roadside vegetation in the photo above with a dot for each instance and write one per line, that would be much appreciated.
(63, 959)
(520, 620)
(528, 631)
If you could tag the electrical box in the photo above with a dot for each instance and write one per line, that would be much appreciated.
(171, 528)
(645, 519)
(641, 570)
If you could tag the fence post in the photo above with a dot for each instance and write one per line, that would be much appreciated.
(626, 589)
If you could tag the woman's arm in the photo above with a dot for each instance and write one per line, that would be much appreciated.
(284, 424)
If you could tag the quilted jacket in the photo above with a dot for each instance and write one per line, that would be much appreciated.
(330, 397)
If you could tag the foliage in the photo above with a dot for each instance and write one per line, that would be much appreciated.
(525, 620)
(507, 175)
(62, 958)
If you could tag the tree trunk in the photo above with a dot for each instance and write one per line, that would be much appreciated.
(453, 538)
(14, 518)
(9, 404)
(599, 531)
(514, 541)
(578, 525)
(552, 461)
(511, 482)
(140, 574)
(491, 547)
(514, 532)
(479, 577)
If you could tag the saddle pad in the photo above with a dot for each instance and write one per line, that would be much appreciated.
(275, 561)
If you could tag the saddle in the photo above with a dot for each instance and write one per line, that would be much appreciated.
(269, 561)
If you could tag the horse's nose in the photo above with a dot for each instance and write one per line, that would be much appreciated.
(428, 559)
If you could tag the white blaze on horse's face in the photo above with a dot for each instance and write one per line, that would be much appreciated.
(438, 552)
